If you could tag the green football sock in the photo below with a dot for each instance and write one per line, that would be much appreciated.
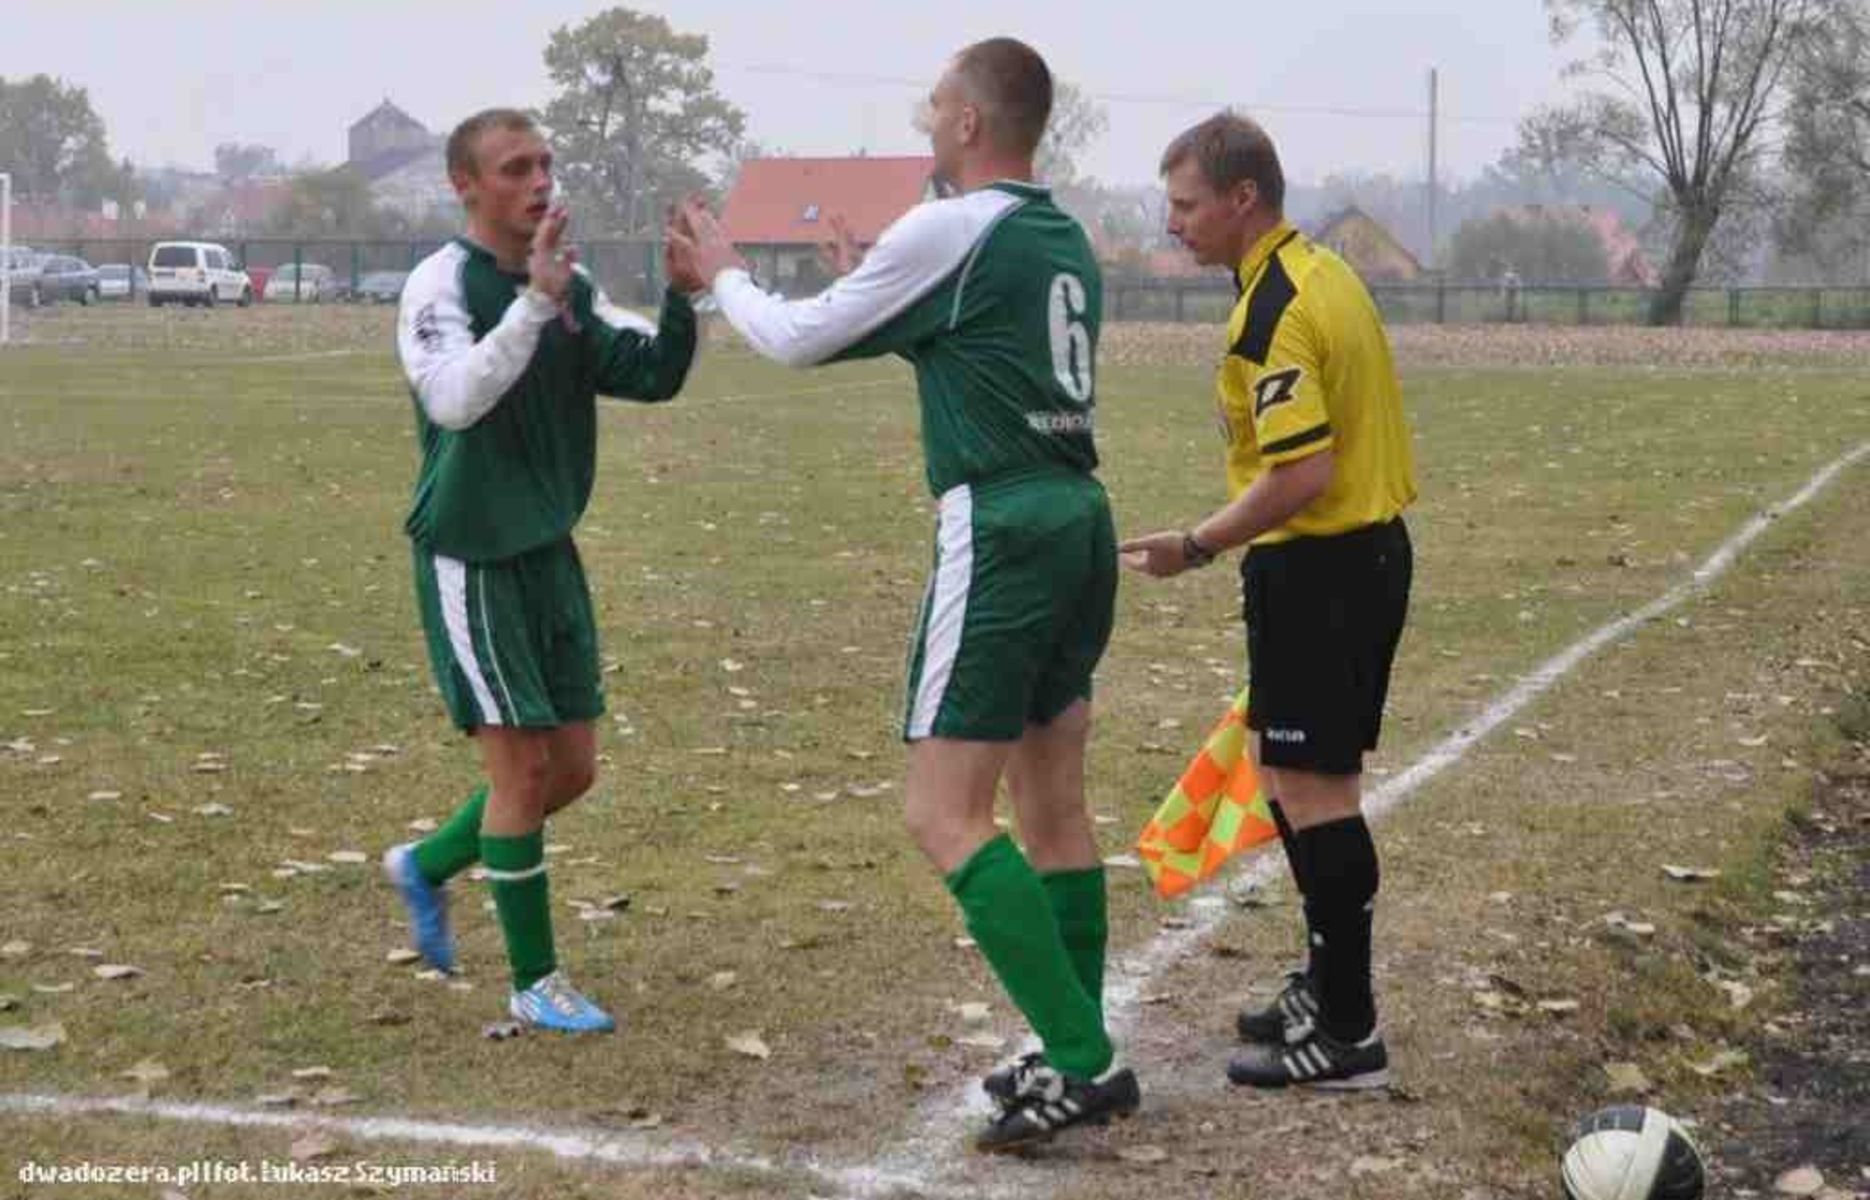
(1011, 920)
(516, 869)
(454, 847)
(1080, 908)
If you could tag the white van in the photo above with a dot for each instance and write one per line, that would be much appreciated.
(196, 273)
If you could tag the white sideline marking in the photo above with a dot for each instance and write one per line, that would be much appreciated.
(305, 356)
(933, 1144)
(615, 1148)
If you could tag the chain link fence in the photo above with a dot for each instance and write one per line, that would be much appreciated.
(631, 273)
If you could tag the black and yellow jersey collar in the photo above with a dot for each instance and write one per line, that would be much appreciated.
(1261, 250)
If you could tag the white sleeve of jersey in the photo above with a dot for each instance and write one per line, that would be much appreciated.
(456, 379)
(911, 258)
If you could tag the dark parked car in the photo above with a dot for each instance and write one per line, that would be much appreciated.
(62, 277)
(381, 287)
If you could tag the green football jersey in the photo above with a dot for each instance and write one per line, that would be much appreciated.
(996, 299)
(505, 389)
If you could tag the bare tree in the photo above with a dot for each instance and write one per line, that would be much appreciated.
(1077, 122)
(635, 110)
(1685, 95)
(1826, 217)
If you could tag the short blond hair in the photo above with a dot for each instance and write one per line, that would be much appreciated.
(464, 141)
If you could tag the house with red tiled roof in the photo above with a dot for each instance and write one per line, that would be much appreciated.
(779, 210)
(1629, 266)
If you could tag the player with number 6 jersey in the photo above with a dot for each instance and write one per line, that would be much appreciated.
(993, 296)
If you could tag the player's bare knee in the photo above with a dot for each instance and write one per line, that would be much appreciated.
(572, 781)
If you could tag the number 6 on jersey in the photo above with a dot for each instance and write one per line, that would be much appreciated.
(1071, 341)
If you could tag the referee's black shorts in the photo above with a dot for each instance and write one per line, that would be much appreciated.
(1324, 615)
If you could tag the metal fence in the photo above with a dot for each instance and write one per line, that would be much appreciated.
(1134, 299)
(631, 272)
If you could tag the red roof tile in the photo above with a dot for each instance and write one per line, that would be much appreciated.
(790, 201)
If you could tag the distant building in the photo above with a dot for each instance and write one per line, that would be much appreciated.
(1368, 246)
(779, 211)
(401, 160)
(1623, 253)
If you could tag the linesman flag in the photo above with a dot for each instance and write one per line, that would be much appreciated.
(1214, 811)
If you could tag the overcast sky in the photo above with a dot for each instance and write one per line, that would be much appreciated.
(1342, 86)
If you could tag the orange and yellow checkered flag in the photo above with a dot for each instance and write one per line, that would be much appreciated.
(1214, 811)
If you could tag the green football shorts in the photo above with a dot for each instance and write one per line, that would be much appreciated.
(1018, 607)
(511, 642)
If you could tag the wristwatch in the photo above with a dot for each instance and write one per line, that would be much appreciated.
(1194, 554)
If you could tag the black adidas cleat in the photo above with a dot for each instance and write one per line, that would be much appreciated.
(1004, 1083)
(1050, 1103)
(1319, 1061)
(1288, 1020)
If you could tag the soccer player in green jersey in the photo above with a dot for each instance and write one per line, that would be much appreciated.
(994, 295)
(506, 344)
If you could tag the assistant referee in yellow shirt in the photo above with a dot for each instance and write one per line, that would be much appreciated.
(1319, 470)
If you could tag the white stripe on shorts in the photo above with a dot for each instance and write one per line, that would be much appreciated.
(947, 606)
(451, 585)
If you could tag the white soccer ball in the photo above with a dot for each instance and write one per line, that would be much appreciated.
(1628, 1152)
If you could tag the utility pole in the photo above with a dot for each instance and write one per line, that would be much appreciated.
(1433, 120)
(6, 257)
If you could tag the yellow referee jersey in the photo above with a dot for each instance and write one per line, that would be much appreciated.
(1308, 368)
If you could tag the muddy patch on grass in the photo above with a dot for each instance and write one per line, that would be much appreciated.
(1809, 1105)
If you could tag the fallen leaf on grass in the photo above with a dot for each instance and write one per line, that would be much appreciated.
(334, 1097)
(1800, 1181)
(973, 1013)
(147, 1072)
(348, 858)
(277, 1099)
(105, 796)
(1721, 1061)
(312, 1073)
(15, 950)
(213, 810)
(116, 971)
(312, 1146)
(402, 957)
(8, 1003)
(750, 1045)
(1558, 1008)
(1367, 1164)
(1690, 874)
(1144, 1156)
(720, 981)
(31, 1037)
(1626, 1078)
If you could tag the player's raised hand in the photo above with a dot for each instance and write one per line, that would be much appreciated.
(840, 254)
(678, 254)
(548, 266)
(698, 234)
